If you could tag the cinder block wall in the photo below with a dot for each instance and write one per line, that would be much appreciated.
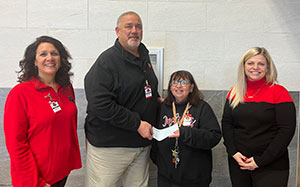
(206, 37)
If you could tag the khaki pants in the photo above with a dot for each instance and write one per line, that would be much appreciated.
(105, 167)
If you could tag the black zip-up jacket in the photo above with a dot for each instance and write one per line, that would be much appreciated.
(195, 143)
(115, 91)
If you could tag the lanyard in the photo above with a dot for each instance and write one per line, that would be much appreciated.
(183, 115)
(175, 151)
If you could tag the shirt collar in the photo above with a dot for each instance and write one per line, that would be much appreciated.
(143, 52)
(255, 84)
(39, 85)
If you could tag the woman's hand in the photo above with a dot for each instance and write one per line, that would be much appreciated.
(176, 134)
(160, 99)
(244, 162)
(240, 158)
(249, 164)
(47, 185)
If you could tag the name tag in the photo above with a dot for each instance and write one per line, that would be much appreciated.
(148, 92)
(55, 106)
(187, 121)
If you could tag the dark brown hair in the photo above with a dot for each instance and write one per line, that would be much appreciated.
(194, 97)
(27, 64)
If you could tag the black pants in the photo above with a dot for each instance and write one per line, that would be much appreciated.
(162, 182)
(60, 183)
(260, 177)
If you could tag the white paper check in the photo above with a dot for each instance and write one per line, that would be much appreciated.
(160, 134)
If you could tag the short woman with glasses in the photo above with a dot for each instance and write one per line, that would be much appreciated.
(185, 158)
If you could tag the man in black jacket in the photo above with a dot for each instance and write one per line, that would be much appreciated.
(121, 90)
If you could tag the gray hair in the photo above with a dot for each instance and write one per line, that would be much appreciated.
(127, 13)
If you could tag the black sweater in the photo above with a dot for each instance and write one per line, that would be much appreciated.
(195, 144)
(262, 126)
(115, 93)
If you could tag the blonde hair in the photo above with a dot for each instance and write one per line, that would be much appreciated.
(238, 91)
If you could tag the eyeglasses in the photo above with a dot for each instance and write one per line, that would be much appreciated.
(181, 82)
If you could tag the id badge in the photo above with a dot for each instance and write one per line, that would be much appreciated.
(187, 121)
(148, 92)
(55, 106)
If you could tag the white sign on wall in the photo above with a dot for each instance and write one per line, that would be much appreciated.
(157, 60)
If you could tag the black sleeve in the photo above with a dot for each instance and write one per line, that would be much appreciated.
(208, 133)
(101, 88)
(154, 148)
(286, 122)
(228, 129)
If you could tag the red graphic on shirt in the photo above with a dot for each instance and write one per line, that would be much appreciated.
(188, 121)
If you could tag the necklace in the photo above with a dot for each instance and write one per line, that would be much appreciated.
(175, 151)
(256, 92)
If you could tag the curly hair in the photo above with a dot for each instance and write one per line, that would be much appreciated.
(27, 64)
(194, 97)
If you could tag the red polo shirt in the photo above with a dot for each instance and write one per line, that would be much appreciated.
(42, 142)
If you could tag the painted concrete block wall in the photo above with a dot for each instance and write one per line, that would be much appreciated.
(206, 37)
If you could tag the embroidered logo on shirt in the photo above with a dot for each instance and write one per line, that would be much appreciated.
(189, 120)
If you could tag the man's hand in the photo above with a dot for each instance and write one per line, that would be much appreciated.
(145, 130)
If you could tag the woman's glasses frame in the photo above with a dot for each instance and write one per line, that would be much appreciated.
(181, 82)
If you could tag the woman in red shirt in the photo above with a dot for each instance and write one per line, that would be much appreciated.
(40, 118)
